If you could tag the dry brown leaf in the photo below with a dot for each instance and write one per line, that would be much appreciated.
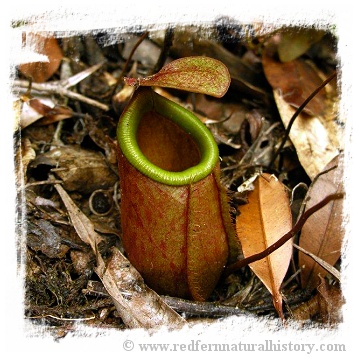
(138, 306)
(307, 310)
(316, 135)
(28, 115)
(99, 132)
(261, 222)
(323, 233)
(316, 140)
(48, 46)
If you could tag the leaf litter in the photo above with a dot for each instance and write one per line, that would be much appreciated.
(323, 234)
(76, 157)
(262, 221)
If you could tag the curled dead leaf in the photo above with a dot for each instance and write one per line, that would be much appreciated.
(37, 110)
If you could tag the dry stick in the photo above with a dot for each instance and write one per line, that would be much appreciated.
(140, 40)
(56, 88)
(202, 309)
(296, 114)
(168, 42)
(328, 267)
(296, 228)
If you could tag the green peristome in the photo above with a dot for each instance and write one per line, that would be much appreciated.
(176, 228)
(145, 100)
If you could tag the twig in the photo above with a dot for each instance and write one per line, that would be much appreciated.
(202, 309)
(140, 40)
(296, 228)
(62, 318)
(321, 262)
(61, 87)
(57, 88)
(168, 41)
(188, 307)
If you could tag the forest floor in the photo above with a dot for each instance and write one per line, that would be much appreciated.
(68, 112)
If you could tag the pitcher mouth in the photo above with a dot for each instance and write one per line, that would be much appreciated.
(145, 100)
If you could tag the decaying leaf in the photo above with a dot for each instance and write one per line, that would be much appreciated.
(197, 74)
(316, 135)
(43, 236)
(47, 46)
(81, 170)
(331, 301)
(262, 221)
(138, 306)
(81, 261)
(323, 233)
(325, 305)
(99, 130)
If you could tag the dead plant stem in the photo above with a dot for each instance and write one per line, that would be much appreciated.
(140, 40)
